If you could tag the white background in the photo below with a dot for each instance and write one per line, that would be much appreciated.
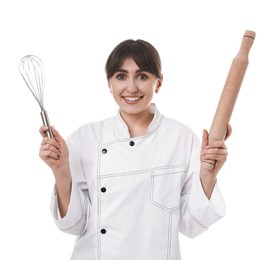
(197, 41)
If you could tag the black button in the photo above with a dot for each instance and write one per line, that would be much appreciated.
(103, 189)
(132, 143)
(103, 231)
(104, 151)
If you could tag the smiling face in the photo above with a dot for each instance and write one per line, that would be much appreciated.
(133, 88)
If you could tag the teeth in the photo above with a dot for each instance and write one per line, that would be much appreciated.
(132, 99)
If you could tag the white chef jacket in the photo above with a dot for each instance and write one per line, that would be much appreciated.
(131, 196)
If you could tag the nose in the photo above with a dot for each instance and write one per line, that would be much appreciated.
(131, 86)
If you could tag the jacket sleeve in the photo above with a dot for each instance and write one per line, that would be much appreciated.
(75, 221)
(198, 212)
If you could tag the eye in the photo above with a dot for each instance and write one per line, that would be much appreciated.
(142, 76)
(121, 76)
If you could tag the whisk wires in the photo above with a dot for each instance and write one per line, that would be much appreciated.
(32, 71)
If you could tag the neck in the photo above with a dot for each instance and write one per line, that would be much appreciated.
(137, 123)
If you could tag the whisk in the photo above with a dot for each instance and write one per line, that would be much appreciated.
(32, 71)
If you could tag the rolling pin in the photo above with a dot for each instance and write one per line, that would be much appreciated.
(229, 94)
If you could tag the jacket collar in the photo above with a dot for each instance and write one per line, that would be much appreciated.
(123, 130)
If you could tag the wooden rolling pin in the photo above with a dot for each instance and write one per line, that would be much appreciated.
(229, 94)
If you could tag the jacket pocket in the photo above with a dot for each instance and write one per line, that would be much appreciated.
(166, 187)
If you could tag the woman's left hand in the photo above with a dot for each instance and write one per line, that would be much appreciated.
(216, 151)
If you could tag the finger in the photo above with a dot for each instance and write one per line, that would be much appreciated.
(229, 131)
(216, 156)
(49, 141)
(43, 129)
(217, 144)
(217, 151)
(53, 148)
(48, 154)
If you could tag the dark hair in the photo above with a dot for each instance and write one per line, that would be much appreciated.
(143, 53)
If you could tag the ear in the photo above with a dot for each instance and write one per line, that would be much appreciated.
(110, 87)
(158, 85)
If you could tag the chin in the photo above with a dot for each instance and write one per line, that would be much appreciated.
(133, 110)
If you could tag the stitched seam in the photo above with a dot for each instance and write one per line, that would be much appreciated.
(170, 173)
(197, 221)
(117, 129)
(156, 203)
(135, 138)
(117, 174)
(98, 194)
(79, 221)
(169, 236)
(158, 125)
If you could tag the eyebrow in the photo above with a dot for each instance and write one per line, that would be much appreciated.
(126, 71)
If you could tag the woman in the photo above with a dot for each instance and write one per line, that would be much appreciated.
(127, 185)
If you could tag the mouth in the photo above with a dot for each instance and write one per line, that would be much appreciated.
(132, 100)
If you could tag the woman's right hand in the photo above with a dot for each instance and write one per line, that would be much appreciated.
(54, 151)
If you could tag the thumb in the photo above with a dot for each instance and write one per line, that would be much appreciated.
(205, 136)
(56, 134)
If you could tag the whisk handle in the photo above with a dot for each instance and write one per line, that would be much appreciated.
(46, 122)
